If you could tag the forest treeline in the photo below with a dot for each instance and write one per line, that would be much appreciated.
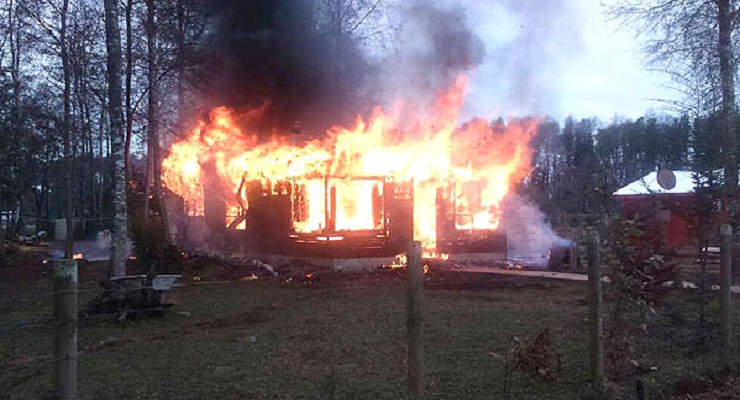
(310, 58)
(178, 59)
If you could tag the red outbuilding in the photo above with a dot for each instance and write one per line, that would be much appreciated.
(668, 213)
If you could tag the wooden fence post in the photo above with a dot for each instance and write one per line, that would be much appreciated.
(596, 328)
(65, 313)
(414, 300)
(725, 277)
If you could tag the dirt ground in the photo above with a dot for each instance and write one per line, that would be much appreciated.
(722, 389)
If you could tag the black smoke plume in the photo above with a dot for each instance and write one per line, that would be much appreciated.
(290, 53)
(284, 52)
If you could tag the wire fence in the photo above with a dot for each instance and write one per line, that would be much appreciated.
(341, 337)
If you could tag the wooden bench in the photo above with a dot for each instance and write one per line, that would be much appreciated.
(130, 281)
(164, 282)
(160, 283)
(712, 256)
(137, 290)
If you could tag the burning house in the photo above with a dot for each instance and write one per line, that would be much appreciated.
(363, 192)
(410, 171)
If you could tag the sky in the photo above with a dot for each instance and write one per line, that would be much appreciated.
(559, 58)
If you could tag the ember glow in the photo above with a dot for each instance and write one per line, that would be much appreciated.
(432, 148)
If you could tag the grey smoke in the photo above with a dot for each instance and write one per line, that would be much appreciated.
(93, 250)
(269, 49)
(530, 237)
(528, 43)
(443, 39)
(449, 46)
(549, 31)
(514, 50)
(436, 45)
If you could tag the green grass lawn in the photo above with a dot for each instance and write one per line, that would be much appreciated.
(339, 338)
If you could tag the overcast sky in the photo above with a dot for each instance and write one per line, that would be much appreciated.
(559, 58)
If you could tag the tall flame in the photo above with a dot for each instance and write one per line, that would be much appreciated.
(429, 146)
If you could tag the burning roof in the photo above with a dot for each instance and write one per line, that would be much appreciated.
(428, 147)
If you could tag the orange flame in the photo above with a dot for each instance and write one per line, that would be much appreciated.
(430, 147)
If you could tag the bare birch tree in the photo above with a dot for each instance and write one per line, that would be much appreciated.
(58, 36)
(15, 42)
(154, 179)
(67, 129)
(120, 234)
(152, 94)
(128, 89)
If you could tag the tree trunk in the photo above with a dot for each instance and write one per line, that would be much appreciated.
(14, 37)
(2, 244)
(153, 116)
(67, 132)
(149, 172)
(180, 64)
(119, 243)
(151, 111)
(129, 74)
(77, 121)
(338, 54)
(725, 16)
(102, 124)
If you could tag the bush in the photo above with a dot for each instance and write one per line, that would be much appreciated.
(639, 268)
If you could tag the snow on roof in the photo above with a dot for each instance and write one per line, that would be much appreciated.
(648, 184)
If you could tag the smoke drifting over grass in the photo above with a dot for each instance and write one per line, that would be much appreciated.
(530, 237)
